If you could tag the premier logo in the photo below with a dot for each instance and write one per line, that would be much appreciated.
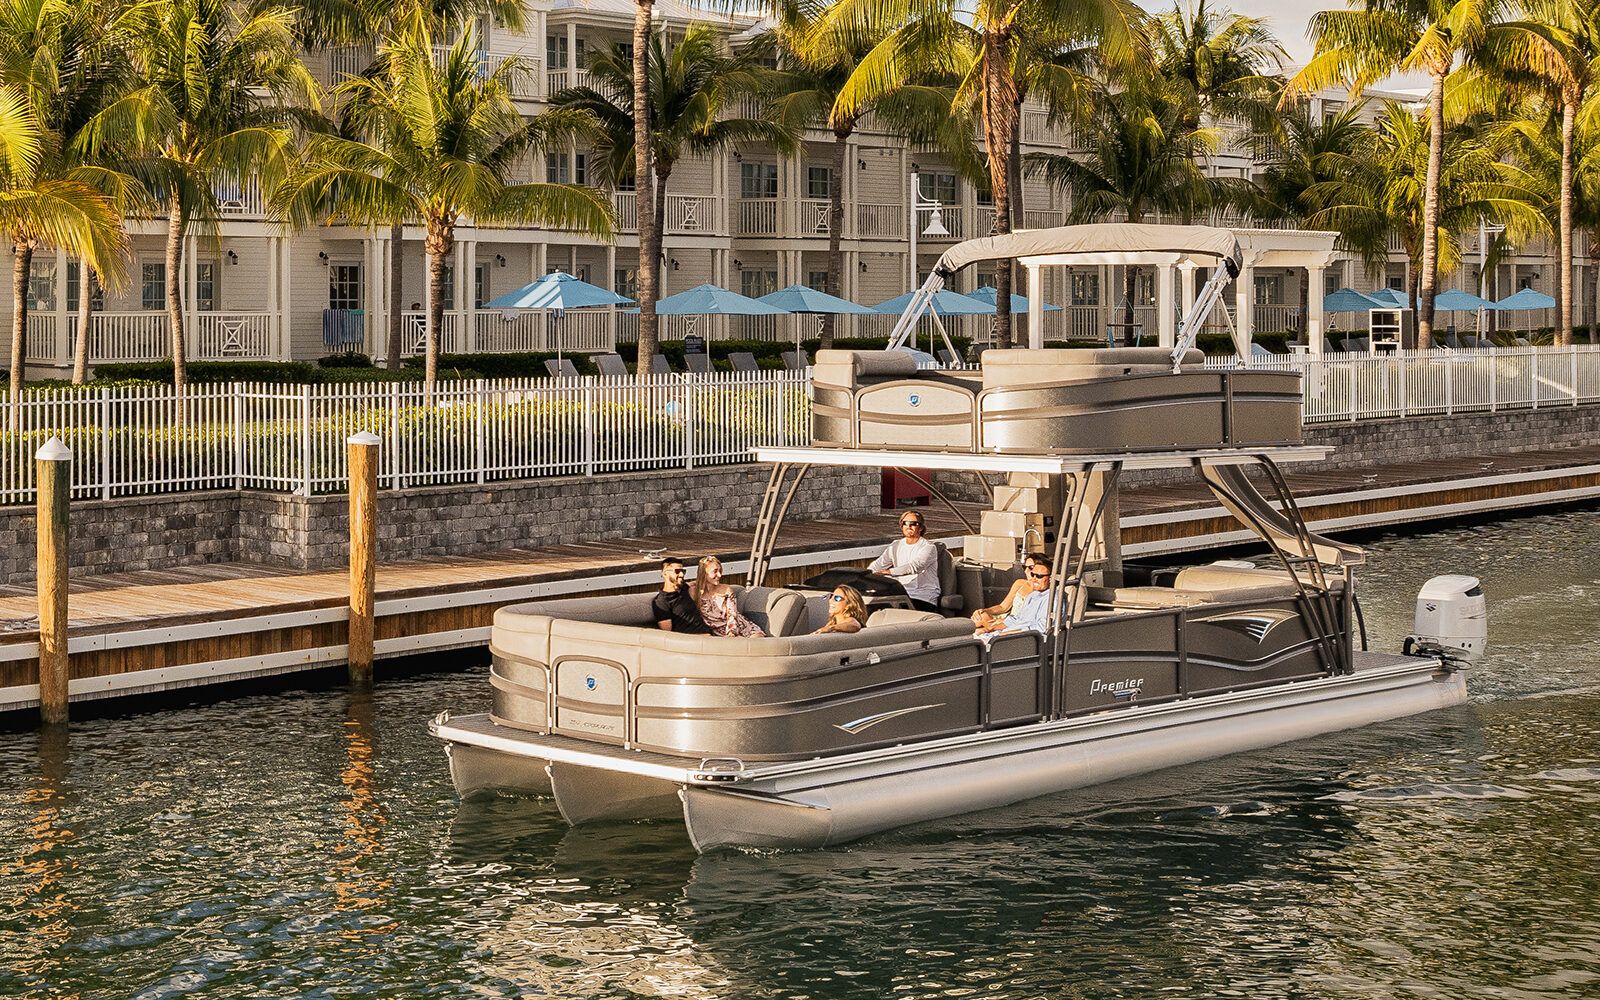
(1125, 688)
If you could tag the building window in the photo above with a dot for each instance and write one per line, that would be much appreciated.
(555, 169)
(581, 169)
(97, 299)
(755, 284)
(205, 286)
(819, 182)
(1397, 282)
(625, 50)
(480, 286)
(625, 281)
(984, 197)
(937, 187)
(817, 279)
(555, 51)
(985, 279)
(447, 293)
(758, 180)
(153, 285)
(1330, 283)
(1086, 289)
(1269, 289)
(1526, 281)
(42, 285)
(344, 286)
(626, 183)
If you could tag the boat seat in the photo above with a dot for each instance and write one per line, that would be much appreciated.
(1015, 368)
(1154, 598)
(1224, 577)
(778, 611)
(900, 616)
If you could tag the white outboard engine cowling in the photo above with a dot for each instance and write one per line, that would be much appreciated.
(1452, 620)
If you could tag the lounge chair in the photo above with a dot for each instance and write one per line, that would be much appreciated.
(948, 358)
(743, 361)
(611, 364)
(700, 364)
(1327, 347)
(1352, 346)
(1523, 342)
(796, 361)
(1256, 350)
(564, 368)
(1473, 343)
(659, 366)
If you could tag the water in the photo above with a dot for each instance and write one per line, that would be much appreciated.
(308, 844)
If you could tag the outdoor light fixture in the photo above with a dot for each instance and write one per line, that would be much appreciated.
(738, 157)
(500, 259)
(935, 221)
(322, 255)
(862, 164)
(862, 265)
(233, 258)
(739, 264)
(674, 263)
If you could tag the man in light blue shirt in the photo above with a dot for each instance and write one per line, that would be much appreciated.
(1030, 609)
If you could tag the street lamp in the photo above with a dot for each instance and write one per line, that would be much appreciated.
(935, 222)
(1484, 231)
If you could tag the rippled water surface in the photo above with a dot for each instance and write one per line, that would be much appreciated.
(309, 844)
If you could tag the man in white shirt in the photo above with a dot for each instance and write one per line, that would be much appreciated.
(914, 561)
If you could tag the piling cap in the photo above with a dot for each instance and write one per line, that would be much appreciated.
(54, 451)
(363, 438)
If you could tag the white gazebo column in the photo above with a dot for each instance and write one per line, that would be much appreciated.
(572, 53)
(1244, 307)
(1166, 325)
(1186, 285)
(1035, 307)
(1314, 289)
(469, 295)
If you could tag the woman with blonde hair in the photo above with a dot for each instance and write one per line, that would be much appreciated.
(847, 612)
(717, 604)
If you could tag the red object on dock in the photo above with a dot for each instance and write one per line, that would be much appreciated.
(900, 490)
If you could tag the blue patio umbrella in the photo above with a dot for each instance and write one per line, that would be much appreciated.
(1350, 300)
(1454, 300)
(945, 303)
(1525, 299)
(709, 300)
(558, 291)
(1391, 298)
(800, 299)
(1019, 303)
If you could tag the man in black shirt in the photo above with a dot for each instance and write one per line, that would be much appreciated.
(674, 610)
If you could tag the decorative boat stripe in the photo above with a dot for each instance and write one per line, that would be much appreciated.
(868, 721)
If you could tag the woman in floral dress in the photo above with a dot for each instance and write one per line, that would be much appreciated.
(718, 606)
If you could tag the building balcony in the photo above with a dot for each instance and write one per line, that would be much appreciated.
(145, 336)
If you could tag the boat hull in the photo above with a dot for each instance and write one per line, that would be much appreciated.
(811, 804)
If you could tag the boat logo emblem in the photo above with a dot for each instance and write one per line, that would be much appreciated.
(590, 682)
(915, 399)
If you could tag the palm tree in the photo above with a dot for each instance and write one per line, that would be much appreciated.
(1226, 65)
(1361, 47)
(695, 90)
(445, 142)
(220, 85)
(983, 45)
(1553, 50)
(1141, 158)
(54, 74)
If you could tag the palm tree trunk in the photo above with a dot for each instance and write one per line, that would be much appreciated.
(441, 243)
(841, 132)
(175, 228)
(649, 237)
(21, 269)
(80, 346)
(1569, 122)
(999, 124)
(396, 344)
(658, 222)
(1430, 210)
(1130, 287)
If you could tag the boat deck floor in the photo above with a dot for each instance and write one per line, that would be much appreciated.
(155, 598)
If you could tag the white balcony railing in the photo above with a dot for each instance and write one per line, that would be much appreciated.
(814, 218)
(627, 205)
(232, 336)
(1041, 219)
(758, 217)
(414, 333)
(690, 214)
(949, 215)
(39, 346)
(881, 221)
(586, 330)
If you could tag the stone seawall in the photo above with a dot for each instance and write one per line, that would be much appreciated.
(159, 532)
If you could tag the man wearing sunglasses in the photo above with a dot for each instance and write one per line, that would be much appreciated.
(1030, 608)
(672, 607)
(914, 561)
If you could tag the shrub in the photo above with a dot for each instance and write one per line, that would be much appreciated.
(345, 361)
(526, 365)
(296, 372)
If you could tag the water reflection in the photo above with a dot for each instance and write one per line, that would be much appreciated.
(41, 868)
(358, 879)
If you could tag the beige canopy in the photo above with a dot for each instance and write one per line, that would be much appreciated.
(1110, 237)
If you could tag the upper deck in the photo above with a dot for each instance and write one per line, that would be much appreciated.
(1122, 402)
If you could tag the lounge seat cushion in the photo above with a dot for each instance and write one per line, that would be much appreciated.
(869, 363)
(900, 616)
(1017, 368)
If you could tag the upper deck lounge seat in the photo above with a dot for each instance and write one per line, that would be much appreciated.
(743, 361)
(611, 365)
(1017, 367)
(700, 364)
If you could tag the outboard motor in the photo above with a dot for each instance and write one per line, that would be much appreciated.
(1452, 621)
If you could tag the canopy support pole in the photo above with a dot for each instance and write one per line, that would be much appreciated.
(921, 301)
(1208, 297)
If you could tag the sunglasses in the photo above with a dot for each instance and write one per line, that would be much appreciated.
(676, 572)
(1039, 576)
(911, 521)
(835, 597)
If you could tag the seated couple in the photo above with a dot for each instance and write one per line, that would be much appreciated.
(1025, 608)
(708, 607)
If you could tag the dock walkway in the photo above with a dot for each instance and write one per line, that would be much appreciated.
(141, 632)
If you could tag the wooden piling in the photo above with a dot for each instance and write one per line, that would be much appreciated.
(54, 467)
(363, 448)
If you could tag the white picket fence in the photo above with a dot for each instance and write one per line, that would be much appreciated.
(140, 440)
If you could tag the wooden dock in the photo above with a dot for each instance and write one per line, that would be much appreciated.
(145, 632)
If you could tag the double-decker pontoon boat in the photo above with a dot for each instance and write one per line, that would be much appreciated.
(803, 740)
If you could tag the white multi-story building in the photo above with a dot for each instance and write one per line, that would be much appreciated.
(750, 219)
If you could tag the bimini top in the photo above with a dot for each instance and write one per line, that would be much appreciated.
(1114, 237)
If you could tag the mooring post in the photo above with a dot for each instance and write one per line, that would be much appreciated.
(363, 551)
(54, 467)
